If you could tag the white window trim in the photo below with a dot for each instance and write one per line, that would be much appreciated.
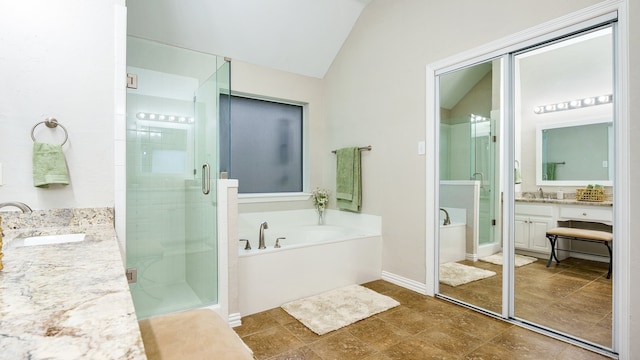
(273, 197)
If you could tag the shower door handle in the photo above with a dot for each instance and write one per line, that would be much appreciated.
(206, 179)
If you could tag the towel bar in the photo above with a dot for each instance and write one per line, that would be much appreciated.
(50, 123)
(364, 148)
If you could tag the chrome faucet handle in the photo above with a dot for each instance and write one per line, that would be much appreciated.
(277, 245)
(248, 246)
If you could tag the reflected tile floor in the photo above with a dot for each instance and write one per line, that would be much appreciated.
(574, 296)
(422, 327)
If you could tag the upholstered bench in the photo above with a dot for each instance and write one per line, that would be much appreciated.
(192, 334)
(595, 236)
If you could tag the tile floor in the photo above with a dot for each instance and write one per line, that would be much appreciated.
(422, 327)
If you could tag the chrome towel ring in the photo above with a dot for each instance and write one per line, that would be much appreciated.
(50, 123)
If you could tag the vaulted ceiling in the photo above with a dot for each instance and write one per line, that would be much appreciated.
(298, 36)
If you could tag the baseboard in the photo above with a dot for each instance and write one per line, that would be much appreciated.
(471, 257)
(235, 320)
(405, 282)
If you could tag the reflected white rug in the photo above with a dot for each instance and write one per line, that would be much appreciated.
(454, 274)
(337, 308)
(521, 260)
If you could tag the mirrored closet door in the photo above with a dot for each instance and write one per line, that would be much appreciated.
(564, 119)
(470, 268)
(554, 167)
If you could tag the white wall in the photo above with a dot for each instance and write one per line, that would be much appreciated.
(57, 60)
(375, 94)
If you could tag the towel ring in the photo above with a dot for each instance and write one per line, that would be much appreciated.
(50, 123)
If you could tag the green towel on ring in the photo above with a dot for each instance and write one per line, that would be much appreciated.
(49, 165)
(348, 179)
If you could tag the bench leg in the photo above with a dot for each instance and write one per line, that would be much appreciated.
(553, 239)
(610, 259)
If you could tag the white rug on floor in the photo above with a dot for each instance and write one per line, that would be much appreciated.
(521, 260)
(454, 274)
(337, 308)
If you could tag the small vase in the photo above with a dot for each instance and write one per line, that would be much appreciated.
(321, 219)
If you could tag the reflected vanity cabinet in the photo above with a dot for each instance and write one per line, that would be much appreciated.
(531, 224)
(532, 221)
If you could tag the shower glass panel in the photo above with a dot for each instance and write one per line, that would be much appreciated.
(482, 155)
(469, 103)
(171, 163)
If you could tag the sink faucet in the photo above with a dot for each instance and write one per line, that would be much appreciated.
(540, 193)
(22, 206)
(263, 226)
(25, 209)
(447, 220)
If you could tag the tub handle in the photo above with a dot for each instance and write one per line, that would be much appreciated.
(248, 246)
(277, 245)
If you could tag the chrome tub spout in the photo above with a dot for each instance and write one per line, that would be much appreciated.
(447, 219)
(263, 226)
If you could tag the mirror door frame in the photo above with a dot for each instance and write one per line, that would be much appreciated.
(577, 21)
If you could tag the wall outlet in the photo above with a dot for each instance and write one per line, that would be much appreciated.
(605, 164)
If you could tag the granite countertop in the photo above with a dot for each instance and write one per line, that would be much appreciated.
(565, 202)
(66, 301)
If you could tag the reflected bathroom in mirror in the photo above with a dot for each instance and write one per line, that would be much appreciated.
(575, 153)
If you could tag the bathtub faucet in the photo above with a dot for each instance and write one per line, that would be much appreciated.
(447, 219)
(263, 226)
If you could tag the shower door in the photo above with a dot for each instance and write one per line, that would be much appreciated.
(172, 115)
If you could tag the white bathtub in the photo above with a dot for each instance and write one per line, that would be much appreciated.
(453, 244)
(453, 237)
(312, 258)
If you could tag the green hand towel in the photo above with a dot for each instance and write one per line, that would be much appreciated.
(49, 165)
(549, 171)
(348, 179)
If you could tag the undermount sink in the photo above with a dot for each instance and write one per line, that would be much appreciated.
(49, 239)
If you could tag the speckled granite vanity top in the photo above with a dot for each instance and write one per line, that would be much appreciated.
(65, 301)
(565, 202)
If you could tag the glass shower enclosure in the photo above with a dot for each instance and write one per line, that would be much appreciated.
(172, 166)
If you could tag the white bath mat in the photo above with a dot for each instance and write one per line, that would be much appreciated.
(454, 274)
(337, 308)
(521, 260)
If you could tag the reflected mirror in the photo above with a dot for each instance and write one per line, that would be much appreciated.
(575, 154)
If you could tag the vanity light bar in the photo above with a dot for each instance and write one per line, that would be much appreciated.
(478, 118)
(574, 104)
(162, 117)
